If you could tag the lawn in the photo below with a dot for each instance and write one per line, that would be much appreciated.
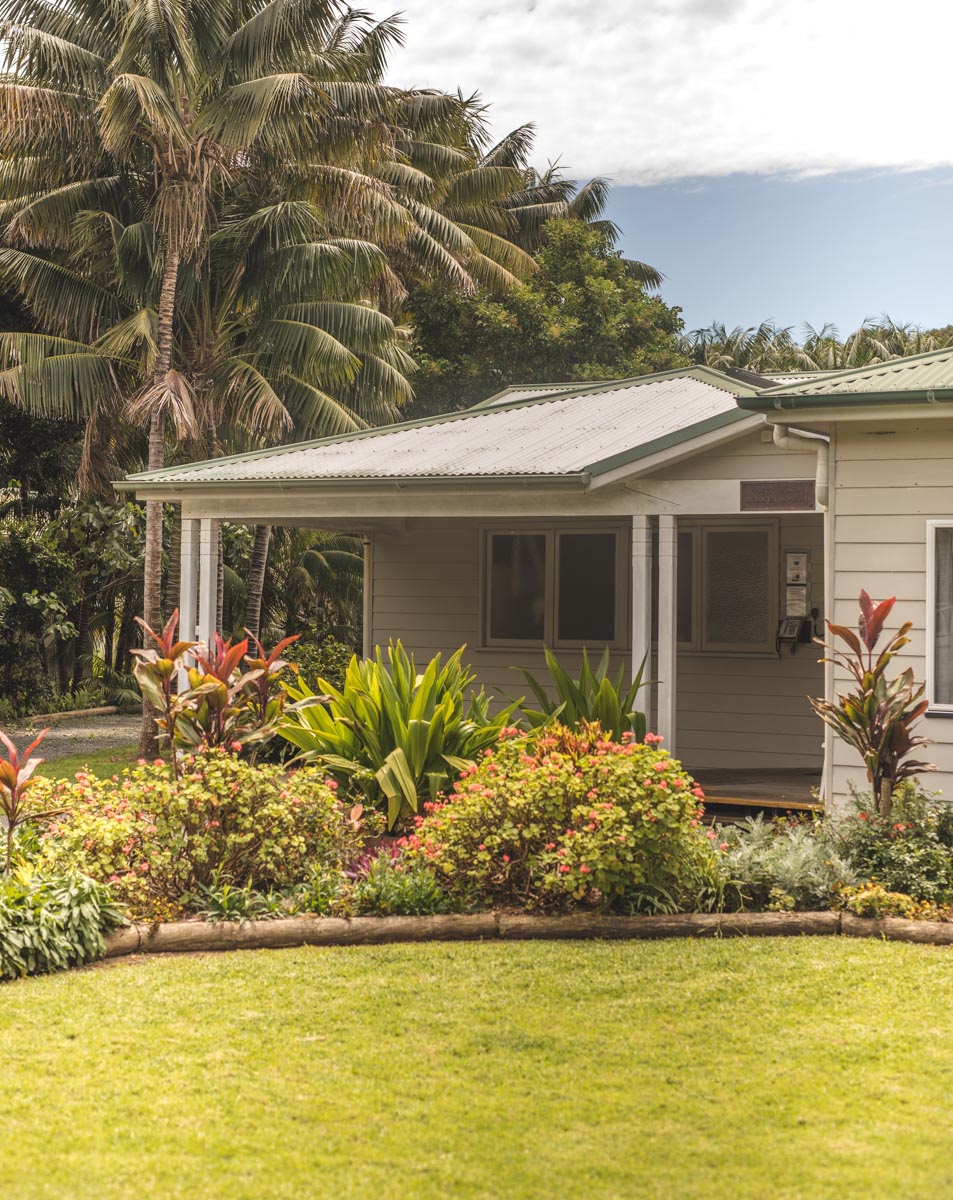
(99, 762)
(801, 1068)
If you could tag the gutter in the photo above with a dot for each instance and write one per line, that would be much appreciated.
(159, 487)
(786, 438)
(765, 402)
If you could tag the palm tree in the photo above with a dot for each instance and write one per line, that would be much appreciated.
(135, 136)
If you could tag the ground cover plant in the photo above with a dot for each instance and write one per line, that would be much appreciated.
(481, 1071)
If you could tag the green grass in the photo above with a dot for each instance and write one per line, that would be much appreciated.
(99, 762)
(803, 1068)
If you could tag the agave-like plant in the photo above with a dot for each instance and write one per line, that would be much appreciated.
(592, 698)
(878, 716)
(397, 735)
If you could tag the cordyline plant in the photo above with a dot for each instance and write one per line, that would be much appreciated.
(878, 716)
(232, 699)
(16, 778)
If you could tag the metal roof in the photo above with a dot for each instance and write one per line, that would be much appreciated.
(559, 438)
(919, 378)
(533, 391)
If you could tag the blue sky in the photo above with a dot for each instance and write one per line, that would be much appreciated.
(746, 248)
(787, 160)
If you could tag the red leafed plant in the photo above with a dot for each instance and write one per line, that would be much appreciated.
(232, 698)
(878, 715)
(16, 771)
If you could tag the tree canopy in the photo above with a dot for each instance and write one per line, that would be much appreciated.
(584, 314)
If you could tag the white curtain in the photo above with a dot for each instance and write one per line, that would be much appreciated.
(943, 625)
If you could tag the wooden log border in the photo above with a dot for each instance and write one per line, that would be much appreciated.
(203, 936)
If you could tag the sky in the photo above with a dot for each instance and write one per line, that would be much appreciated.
(782, 159)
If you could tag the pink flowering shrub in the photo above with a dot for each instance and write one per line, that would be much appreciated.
(158, 841)
(564, 817)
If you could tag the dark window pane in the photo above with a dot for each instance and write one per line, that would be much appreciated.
(518, 586)
(587, 585)
(685, 585)
(738, 587)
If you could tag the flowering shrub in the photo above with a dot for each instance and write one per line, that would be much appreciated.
(562, 817)
(161, 842)
(910, 851)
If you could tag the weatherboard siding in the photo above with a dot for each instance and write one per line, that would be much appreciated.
(889, 480)
(731, 711)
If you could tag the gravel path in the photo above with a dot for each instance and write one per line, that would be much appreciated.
(82, 735)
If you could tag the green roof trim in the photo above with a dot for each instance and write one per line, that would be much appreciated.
(918, 379)
(670, 440)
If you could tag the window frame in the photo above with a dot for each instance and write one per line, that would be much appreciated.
(552, 532)
(936, 708)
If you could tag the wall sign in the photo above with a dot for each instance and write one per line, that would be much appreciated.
(777, 495)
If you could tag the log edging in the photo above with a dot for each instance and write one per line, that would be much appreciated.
(192, 936)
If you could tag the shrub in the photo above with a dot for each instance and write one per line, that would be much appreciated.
(392, 734)
(327, 659)
(160, 841)
(50, 923)
(594, 697)
(908, 851)
(782, 865)
(562, 817)
(392, 885)
(872, 900)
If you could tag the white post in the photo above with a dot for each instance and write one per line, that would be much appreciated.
(208, 578)
(667, 628)
(641, 594)
(188, 587)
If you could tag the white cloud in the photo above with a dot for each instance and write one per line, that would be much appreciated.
(649, 90)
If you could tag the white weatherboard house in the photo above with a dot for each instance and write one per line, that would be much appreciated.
(711, 520)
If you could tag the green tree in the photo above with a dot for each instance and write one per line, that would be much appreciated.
(585, 314)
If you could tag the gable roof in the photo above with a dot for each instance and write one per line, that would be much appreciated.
(919, 379)
(566, 437)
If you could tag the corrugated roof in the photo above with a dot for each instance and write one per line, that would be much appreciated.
(918, 378)
(533, 391)
(570, 435)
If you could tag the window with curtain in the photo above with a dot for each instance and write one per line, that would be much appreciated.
(942, 648)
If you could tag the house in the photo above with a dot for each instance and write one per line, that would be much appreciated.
(700, 517)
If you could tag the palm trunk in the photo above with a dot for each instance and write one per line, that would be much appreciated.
(152, 575)
(174, 574)
(256, 579)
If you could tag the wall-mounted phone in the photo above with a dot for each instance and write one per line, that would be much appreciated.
(796, 627)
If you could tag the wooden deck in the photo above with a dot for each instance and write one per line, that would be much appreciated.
(741, 793)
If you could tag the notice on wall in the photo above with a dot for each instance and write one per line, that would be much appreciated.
(777, 495)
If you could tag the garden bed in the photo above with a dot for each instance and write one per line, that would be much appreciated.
(193, 936)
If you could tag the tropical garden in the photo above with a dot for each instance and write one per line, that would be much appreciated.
(221, 228)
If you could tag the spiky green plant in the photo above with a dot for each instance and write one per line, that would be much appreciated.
(394, 734)
(594, 697)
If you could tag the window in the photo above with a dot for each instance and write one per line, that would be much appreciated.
(561, 587)
(940, 615)
(727, 587)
